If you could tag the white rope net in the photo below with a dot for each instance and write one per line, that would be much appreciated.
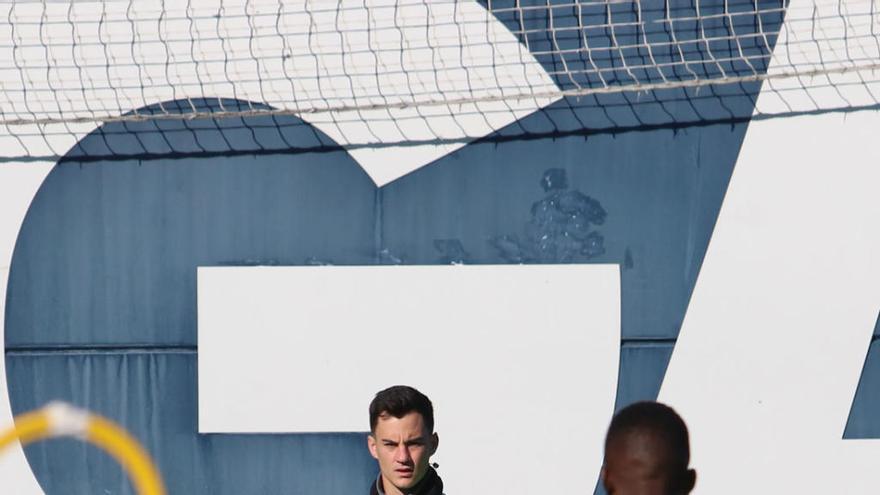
(385, 73)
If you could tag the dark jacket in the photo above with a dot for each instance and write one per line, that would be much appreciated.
(431, 484)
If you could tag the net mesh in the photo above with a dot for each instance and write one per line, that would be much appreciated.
(385, 73)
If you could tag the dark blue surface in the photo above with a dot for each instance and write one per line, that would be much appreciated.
(108, 253)
(154, 395)
(862, 421)
(114, 245)
(590, 45)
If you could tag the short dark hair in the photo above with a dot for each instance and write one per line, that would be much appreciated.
(398, 401)
(657, 419)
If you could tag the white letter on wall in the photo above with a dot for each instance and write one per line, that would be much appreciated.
(773, 344)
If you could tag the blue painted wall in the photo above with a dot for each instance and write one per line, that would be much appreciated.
(101, 307)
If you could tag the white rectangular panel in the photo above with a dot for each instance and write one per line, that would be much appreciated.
(498, 349)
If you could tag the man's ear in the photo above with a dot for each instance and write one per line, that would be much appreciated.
(435, 442)
(690, 480)
(371, 444)
(603, 476)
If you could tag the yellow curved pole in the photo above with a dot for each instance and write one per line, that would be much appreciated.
(62, 420)
(28, 428)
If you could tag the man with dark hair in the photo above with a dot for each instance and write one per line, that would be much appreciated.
(402, 439)
(647, 452)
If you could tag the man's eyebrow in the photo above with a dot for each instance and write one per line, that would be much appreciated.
(421, 439)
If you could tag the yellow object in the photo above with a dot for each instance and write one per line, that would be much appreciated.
(59, 420)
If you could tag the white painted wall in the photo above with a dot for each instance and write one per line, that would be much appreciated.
(324, 60)
(503, 351)
(772, 347)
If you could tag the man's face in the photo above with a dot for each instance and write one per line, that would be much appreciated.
(402, 446)
(641, 465)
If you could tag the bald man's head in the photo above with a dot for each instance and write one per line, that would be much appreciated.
(647, 452)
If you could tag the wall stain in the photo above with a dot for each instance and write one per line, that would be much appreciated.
(562, 227)
(387, 257)
(451, 252)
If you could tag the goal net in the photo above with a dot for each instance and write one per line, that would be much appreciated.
(383, 73)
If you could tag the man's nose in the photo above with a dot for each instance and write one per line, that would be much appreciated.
(402, 454)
